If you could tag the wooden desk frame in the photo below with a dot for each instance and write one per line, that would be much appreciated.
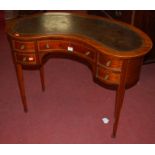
(109, 66)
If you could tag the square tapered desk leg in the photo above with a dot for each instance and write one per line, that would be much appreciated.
(20, 79)
(118, 106)
(42, 77)
(119, 97)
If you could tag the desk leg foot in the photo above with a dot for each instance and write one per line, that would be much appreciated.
(25, 110)
(20, 79)
(42, 78)
(113, 135)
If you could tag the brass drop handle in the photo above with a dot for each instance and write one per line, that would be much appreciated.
(24, 59)
(87, 53)
(108, 63)
(106, 77)
(22, 47)
(47, 46)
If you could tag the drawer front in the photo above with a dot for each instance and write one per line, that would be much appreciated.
(107, 76)
(26, 58)
(109, 61)
(23, 46)
(46, 45)
(82, 50)
(76, 48)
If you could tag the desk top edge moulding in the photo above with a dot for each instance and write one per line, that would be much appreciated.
(113, 50)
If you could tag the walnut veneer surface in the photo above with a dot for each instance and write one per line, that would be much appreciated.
(113, 50)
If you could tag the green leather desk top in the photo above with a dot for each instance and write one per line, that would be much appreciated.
(111, 34)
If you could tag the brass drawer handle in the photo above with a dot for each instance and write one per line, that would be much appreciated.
(24, 59)
(22, 47)
(47, 46)
(87, 53)
(108, 63)
(106, 77)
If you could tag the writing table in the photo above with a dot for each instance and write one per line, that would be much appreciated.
(113, 50)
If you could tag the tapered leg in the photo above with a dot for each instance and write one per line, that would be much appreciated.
(20, 79)
(42, 78)
(118, 106)
(119, 98)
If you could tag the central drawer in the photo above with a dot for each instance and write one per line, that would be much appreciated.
(67, 46)
(46, 45)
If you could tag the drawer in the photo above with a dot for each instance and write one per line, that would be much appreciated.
(90, 54)
(23, 46)
(76, 48)
(107, 76)
(26, 58)
(46, 45)
(82, 50)
(109, 61)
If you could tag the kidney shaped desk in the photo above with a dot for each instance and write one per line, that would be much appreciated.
(113, 50)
